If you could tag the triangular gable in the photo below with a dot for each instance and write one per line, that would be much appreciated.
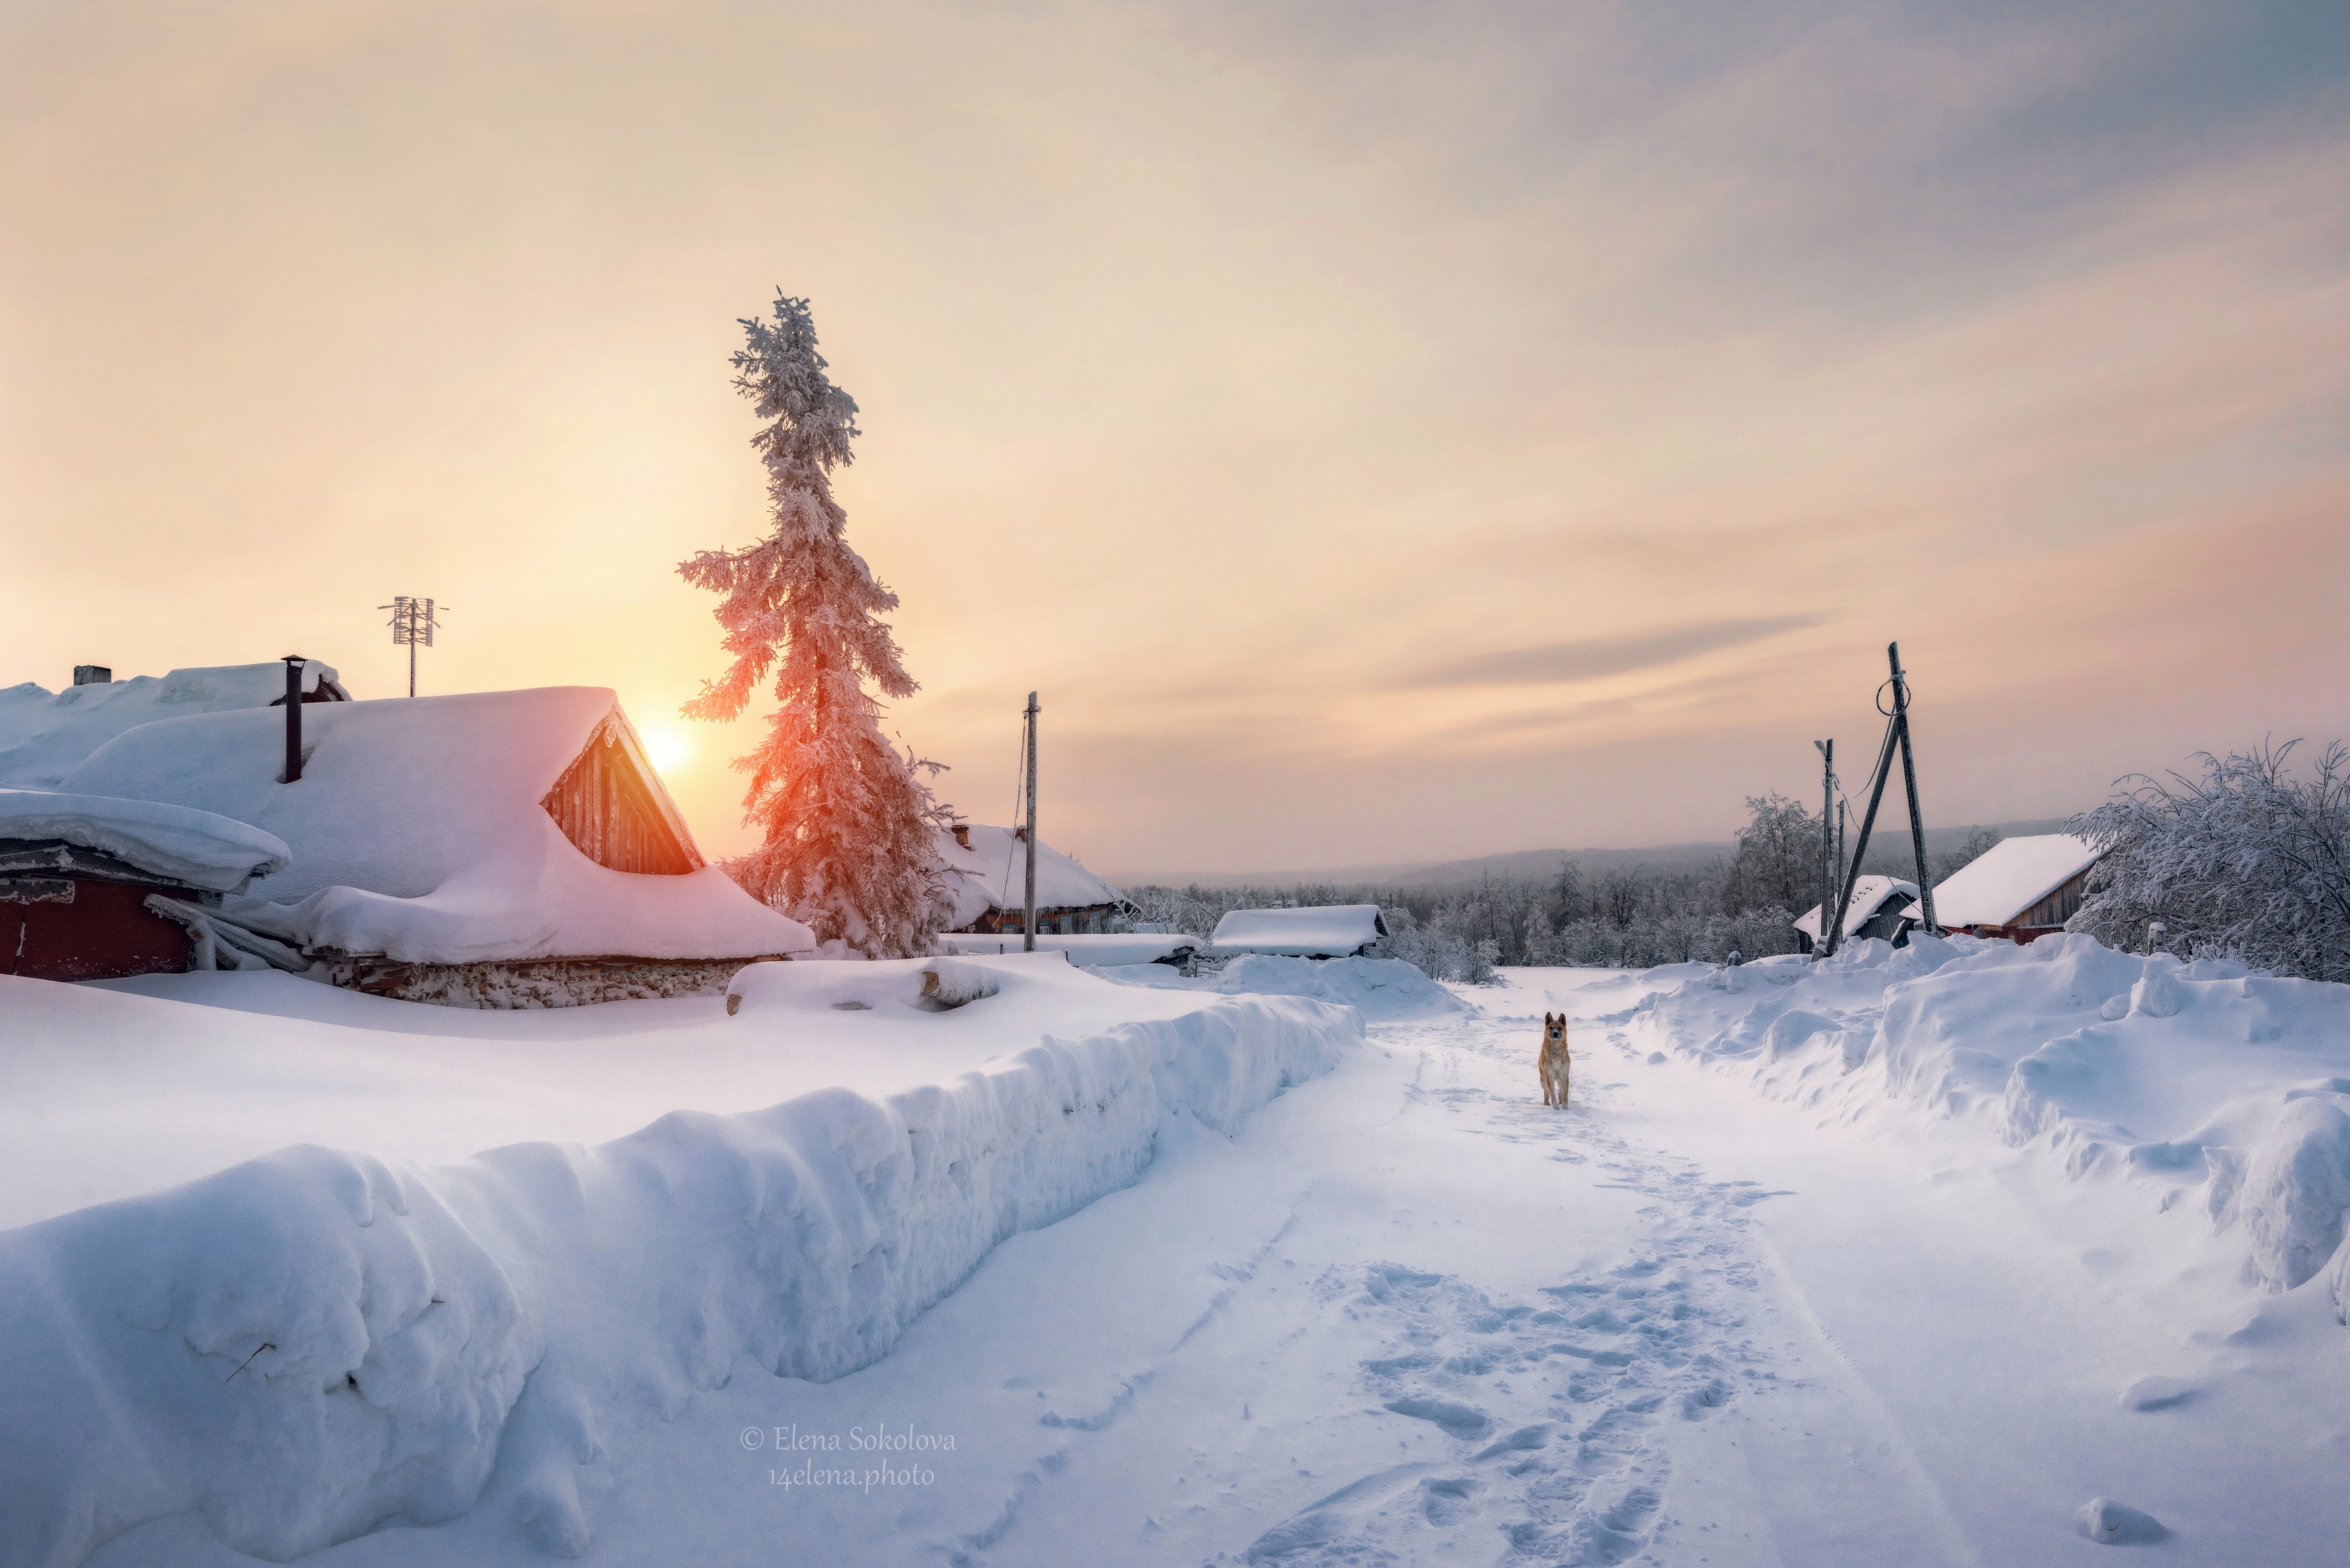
(611, 805)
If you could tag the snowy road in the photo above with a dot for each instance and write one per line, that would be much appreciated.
(1406, 1315)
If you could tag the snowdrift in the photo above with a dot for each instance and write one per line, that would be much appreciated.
(1381, 989)
(2201, 1080)
(196, 848)
(309, 1345)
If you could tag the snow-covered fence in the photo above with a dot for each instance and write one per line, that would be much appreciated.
(304, 1346)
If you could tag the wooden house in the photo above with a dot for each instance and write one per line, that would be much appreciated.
(502, 848)
(1879, 910)
(986, 871)
(2018, 891)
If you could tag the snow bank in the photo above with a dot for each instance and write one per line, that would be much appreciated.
(2197, 1080)
(309, 1345)
(195, 848)
(1381, 989)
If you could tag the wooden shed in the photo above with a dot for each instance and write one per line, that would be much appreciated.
(99, 888)
(2018, 891)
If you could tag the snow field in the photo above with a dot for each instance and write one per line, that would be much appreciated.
(307, 1345)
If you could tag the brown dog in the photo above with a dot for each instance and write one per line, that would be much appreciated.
(1555, 1060)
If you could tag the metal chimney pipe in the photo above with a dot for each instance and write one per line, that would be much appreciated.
(293, 663)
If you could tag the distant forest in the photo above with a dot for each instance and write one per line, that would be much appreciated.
(1631, 916)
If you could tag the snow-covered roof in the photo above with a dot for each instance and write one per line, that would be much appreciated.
(1092, 950)
(1868, 895)
(992, 874)
(2004, 881)
(44, 734)
(193, 849)
(417, 831)
(1329, 930)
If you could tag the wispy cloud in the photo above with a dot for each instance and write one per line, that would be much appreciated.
(1591, 658)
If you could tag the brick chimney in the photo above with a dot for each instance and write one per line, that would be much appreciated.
(962, 834)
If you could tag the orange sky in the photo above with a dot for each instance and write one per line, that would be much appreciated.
(1382, 433)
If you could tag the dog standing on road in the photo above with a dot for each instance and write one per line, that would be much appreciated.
(1555, 1060)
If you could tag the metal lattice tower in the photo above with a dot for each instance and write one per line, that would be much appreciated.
(413, 622)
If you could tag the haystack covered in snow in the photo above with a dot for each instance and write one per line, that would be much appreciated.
(44, 734)
(1879, 909)
(987, 881)
(1330, 930)
(492, 848)
(2019, 889)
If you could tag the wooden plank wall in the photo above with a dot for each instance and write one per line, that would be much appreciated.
(604, 807)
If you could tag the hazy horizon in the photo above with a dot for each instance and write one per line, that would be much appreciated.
(1379, 434)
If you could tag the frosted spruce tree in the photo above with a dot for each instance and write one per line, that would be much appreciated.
(849, 848)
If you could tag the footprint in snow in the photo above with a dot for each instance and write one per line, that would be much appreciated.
(1540, 1419)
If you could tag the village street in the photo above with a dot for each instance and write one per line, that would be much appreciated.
(1408, 1314)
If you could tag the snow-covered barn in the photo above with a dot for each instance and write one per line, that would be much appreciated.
(987, 883)
(1324, 932)
(2019, 889)
(1879, 909)
(501, 848)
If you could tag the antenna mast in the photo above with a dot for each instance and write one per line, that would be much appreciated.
(413, 621)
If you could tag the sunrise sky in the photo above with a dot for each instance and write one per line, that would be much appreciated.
(1381, 432)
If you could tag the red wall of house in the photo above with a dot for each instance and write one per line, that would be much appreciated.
(107, 933)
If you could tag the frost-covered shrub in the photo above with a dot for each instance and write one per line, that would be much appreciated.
(2242, 861)
(1433, 947)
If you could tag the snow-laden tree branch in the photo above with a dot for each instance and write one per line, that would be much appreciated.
(848, 847)
(2242, 860)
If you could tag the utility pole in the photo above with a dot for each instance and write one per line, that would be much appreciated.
(1896, 732)
(413, 621)
(1827, 828)
(1028, 918)
(1909, 780)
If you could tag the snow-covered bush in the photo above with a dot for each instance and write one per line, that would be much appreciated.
(1430, 947)
(2243, 861)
